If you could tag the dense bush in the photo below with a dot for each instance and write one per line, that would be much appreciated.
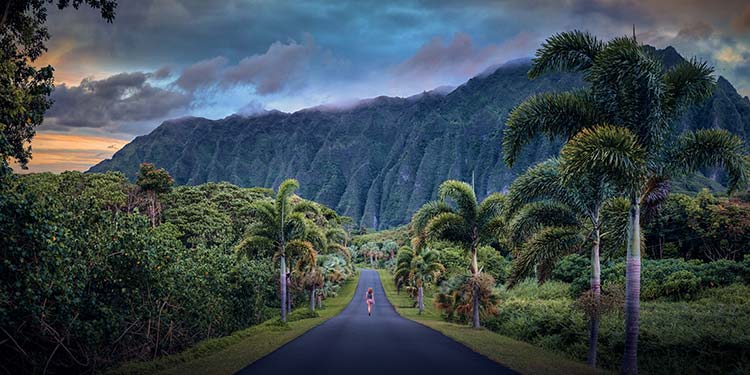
(707, 335)
(699, 227)
(656, 275)
(87, 280)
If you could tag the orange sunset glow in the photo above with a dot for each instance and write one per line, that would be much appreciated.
(65, 152)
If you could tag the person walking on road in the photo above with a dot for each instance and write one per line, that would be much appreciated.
(370, 299)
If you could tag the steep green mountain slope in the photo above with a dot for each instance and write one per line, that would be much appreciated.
(381, 159)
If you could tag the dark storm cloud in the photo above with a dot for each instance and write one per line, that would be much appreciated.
(201, 74)
(162, 73)
(742, 22)
(696, 31)
(124, 97)
(268, 73)
(272, 71)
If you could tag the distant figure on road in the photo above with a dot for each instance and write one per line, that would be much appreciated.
(370, 298)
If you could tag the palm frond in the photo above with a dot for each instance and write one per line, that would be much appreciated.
(255, 246)
(628, 86)
(614, 233)
(491, 207)
(544, 248)
(554, 115)
(607, 150)
(655, 194)
(568, 51)
(690, 82)
(712, 147)
(536, 215)
(449, 227)
(539, 182)
(425, 213)
(286, 189)
(463, 195)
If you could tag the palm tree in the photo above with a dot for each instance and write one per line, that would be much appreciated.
(552, 218)
(619, 127)
(418, 268)
(457, 217)
(282, 229)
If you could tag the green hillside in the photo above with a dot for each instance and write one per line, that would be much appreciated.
(381, 159)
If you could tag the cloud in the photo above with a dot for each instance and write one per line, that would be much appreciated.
(272, 71)
(741, 23)
(124, 97)
(201, 74)
(162, 73)
(696, 31)
(252, 108)
(459, 58)
(729, 55)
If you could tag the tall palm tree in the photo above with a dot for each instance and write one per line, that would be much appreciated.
(619, 126)
(417, 269)
(551, 218)
(282, 229)
(457, 217)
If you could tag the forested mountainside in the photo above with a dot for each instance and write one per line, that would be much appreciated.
(382, 159)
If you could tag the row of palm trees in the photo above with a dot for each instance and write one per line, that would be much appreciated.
(297, 233)
(618, 158)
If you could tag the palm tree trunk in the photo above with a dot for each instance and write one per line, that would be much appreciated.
(420, 299)
(632, 288)
(475, 272)
(596, 291)
(288, 296)
(282, 281)
(312, 299)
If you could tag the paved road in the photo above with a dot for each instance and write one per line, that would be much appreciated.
(384, 344)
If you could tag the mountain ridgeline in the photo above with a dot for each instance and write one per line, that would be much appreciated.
(380, 160)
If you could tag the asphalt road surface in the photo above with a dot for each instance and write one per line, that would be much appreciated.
(384, 343)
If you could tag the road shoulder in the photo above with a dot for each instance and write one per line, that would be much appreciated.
(227, 355)
(516, 355)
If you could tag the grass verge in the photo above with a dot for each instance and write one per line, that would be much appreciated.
(229, 354)
(517, 355)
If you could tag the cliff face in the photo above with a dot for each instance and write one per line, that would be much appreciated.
(380, 160)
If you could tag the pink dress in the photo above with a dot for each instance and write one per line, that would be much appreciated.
(370, 298)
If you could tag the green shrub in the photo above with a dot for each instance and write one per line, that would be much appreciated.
(571, 267)
(300, 314)
(707, 335)
(654, 273)
(681, 284)
(530, 289)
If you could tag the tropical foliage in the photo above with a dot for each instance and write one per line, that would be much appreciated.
(87, 280)
(619, 129)
(460, 219)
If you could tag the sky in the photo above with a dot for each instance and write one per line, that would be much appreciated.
(163, 59)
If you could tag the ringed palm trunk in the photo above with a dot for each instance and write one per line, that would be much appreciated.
(596, 291)
(632, 288)
(312, 299)
(282, 281)
(475, 303)
(420, 299)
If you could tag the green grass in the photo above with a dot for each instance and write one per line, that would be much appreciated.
(517, 355)
(229, 354)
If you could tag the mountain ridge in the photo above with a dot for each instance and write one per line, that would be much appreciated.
(380, 159)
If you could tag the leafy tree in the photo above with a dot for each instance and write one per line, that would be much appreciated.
(276, 228)
(153, 182)
(417, 269)
(457, 217)
(552, 218)
(619, 127)
(24, 89)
